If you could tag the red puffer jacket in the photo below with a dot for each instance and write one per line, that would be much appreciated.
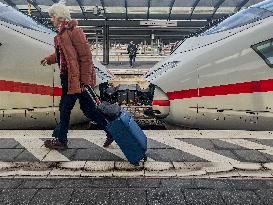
(78, 56)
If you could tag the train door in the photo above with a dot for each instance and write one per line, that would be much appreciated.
(207, 106)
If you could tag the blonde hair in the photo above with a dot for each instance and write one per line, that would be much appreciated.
(59, 11)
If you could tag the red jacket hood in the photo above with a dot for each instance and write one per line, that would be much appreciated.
(72, 23)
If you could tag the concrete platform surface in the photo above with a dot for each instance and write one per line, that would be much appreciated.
(171, 153)
(136, 191)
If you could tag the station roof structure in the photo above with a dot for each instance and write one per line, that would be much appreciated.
(124, 17)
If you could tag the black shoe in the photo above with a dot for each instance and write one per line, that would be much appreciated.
(108, 141)
(55, 144)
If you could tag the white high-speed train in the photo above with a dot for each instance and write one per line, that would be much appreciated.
(29, 92)
(221, 78)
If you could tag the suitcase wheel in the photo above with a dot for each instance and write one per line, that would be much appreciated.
(135, 164)
(145, 158)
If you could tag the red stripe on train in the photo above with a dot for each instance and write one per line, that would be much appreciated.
(237, 88)
(19, 87)
(161, 102)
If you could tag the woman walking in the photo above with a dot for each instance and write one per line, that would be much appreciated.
(73, 55)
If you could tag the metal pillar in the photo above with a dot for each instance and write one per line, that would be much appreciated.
(152, 43)
(106, 42)
(145, 47)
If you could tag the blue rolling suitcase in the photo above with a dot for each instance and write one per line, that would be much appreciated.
(129, 137)
(125, 131)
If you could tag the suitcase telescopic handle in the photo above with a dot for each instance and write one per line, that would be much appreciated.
(92, 94)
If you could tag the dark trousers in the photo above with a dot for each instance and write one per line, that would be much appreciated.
(132, 60)
(66, 105)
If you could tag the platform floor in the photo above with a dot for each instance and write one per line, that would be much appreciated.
(137, 191)
(184, 167)
(123, 68)
(171, 153)
(125, 65)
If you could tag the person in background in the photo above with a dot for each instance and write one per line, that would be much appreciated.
(73, 55)
(172, 48)
(159, 49)
(132, 51)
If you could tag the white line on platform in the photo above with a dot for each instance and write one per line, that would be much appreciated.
(250, 145)
(194, 150)
(209, 134)
(114, 149)
(35, 147)
(53, 155)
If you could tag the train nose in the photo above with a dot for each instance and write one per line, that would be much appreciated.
(160, 104)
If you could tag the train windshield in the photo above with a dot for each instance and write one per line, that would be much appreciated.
(12, 16)
(265, 51)
(241, 18)
(268, 5)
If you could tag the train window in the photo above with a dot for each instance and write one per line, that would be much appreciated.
(12, 16)
(241, 18)
(265, 51)
(268, 5)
